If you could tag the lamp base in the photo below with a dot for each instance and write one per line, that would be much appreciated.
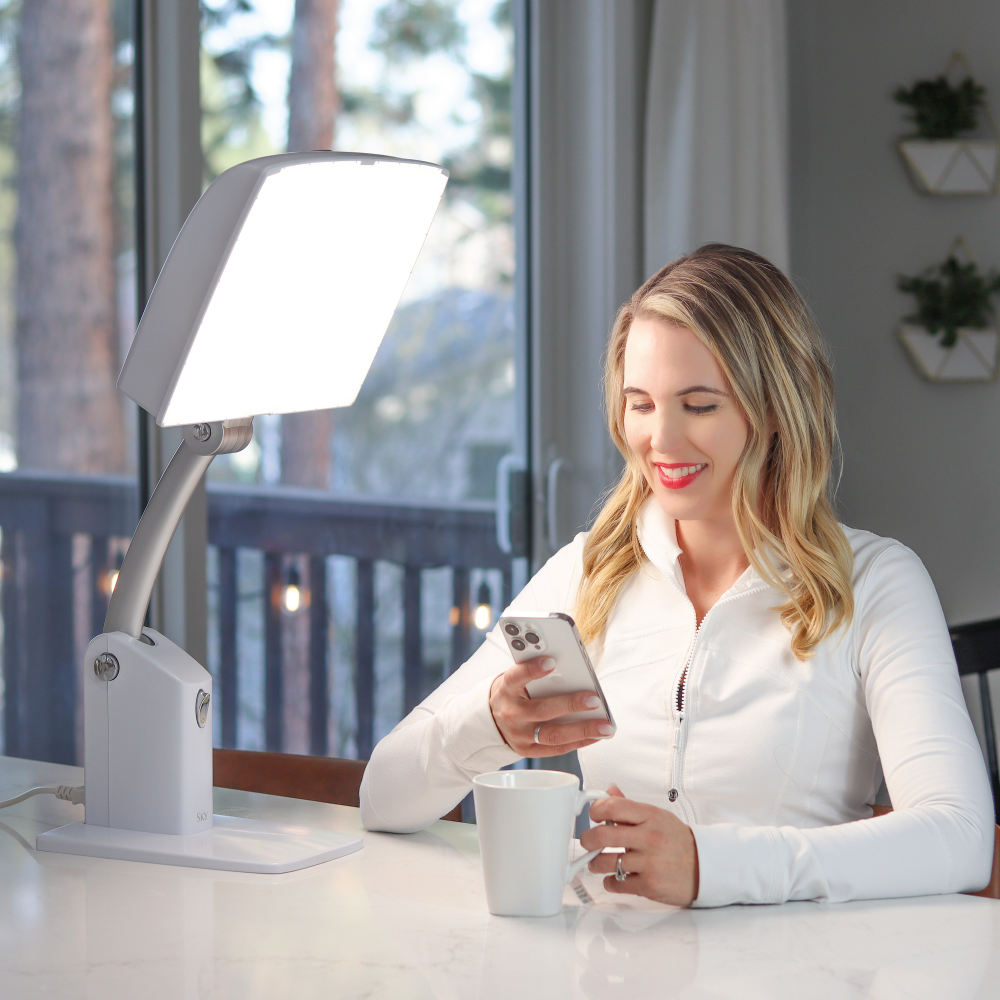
(232, 844)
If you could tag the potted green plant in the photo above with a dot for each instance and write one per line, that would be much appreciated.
(950, 336)
(938, 158)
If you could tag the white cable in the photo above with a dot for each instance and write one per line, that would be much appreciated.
(66, 792)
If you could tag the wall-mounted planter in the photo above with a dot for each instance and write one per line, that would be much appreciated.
(973, 358)
(952, 166)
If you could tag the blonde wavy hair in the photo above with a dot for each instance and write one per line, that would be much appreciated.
(746, 312)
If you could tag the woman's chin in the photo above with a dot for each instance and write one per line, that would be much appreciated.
(675, 504)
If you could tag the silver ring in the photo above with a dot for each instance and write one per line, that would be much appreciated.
(539, 726)
(620, 875)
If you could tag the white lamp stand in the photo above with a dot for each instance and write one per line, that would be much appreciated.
(148, 719)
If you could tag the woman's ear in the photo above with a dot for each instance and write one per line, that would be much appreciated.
(771, 426)
(771, 434)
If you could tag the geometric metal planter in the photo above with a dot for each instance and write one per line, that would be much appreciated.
(952, 166)
(973, 358)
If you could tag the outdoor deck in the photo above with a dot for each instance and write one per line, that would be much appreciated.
(47, 520)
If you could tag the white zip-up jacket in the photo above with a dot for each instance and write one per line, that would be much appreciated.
(772, 762)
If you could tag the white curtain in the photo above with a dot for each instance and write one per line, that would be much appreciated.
(716, 129)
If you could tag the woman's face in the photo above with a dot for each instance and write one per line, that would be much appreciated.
(682, 422)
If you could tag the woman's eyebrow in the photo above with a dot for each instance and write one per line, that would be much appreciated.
(700, 388)
(631, 389)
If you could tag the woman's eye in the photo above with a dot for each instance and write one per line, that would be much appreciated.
(642, 407)
(710, 408)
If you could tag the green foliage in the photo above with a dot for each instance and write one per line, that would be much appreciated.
(383, 105)
(405, 30)
(949, 296)
(409, 29)
(231, 125)
(481, 173)
(941, 110)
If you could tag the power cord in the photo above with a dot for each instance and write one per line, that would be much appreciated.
(65, 792)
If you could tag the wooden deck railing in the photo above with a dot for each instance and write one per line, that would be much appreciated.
(45, 518)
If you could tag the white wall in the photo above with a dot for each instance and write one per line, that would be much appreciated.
(921, 460)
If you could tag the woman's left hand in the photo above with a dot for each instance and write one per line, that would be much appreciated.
(661, 857)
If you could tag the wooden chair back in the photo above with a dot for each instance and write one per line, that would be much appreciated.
(992, 891)
(317, 779)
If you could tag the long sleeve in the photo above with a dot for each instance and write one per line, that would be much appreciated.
(425, 766)
(939, 838)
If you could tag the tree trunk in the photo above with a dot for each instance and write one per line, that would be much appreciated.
(312, 91)
(313, 104)
(69, 411)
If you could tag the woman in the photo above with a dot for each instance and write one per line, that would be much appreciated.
(765, 665)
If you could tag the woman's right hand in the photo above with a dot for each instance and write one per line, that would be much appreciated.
(521, 718)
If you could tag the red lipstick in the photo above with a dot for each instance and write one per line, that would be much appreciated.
(679, 482)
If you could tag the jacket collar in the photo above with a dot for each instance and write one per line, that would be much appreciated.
(658, 538)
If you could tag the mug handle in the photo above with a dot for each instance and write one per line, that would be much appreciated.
(582, 798)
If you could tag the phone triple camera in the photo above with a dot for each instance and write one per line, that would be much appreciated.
(517, 643)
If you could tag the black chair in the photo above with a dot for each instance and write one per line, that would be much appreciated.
(977, 650)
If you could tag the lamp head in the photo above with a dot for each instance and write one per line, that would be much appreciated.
(279, 287)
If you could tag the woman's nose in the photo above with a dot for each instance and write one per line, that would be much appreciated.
(667, 433)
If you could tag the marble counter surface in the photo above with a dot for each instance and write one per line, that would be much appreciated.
(406, 918)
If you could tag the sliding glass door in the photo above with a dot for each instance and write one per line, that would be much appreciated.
(354, 558)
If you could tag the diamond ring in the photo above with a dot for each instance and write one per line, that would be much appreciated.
(620, 875)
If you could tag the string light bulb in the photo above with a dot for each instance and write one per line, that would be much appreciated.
(109, 579)
(292, 597)
(484, 613)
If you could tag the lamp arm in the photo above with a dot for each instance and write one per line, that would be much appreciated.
(134, 587)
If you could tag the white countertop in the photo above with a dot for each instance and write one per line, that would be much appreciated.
(406, 917)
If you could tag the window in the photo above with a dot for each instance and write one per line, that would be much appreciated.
(353, 552)
(67, 314)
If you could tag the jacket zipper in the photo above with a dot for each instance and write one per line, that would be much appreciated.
(682, 683)
(680, 702)
(680, 698)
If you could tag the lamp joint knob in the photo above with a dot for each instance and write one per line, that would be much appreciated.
(106, 666)
(202, 701)
(219, 437)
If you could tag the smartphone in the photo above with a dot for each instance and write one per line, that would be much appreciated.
(556, 635)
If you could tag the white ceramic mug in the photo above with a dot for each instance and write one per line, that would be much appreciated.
(525, 821)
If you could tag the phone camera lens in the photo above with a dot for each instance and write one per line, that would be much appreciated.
(517, 643)
(532, 638)
(511, 629)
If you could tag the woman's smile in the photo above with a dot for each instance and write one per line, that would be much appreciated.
(677, 475)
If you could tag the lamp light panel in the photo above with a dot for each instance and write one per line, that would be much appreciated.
(301, 299)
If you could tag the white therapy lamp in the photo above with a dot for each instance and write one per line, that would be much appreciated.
(274, 299)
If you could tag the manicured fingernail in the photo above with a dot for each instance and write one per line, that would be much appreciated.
(606, 729)
(592, 701)
(547, 664)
